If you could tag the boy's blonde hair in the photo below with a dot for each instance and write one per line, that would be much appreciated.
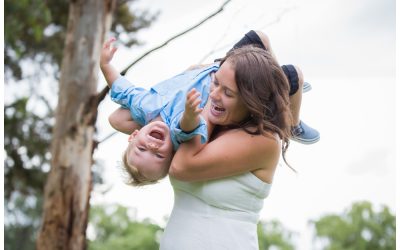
(133, 176)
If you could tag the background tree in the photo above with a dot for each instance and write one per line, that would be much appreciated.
(358, 228)
(272, 235)
(115, 227)
(34, 31)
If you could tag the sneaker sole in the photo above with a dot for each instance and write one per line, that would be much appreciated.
(303, 141)
(306, 87)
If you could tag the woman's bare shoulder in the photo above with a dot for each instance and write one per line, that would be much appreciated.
(264, 147)
(267, 139)
(231, 152)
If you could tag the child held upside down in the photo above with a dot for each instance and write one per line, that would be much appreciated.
(166, 117)
(159, 119)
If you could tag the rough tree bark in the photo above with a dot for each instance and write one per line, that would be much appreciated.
(67, 190)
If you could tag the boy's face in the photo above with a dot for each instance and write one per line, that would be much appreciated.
(151, 150)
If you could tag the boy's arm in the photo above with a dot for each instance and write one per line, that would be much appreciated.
(122, 121)
(107, 53)
(192, 124)
(191, 116)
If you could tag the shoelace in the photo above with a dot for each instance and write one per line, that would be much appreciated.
(297, 130)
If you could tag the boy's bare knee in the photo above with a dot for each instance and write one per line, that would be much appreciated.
(264, 38)
(113, 120)
(300, 75)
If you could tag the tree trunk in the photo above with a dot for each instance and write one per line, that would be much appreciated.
(67, 190)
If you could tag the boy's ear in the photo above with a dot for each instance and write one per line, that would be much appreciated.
(132, 136)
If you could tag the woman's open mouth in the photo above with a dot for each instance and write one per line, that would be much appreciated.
(216, 111)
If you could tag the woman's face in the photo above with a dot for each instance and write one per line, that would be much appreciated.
(226, 107)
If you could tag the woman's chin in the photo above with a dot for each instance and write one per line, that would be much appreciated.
(217, 121)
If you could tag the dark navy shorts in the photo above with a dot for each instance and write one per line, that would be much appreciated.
(293, 78)
(251, 38)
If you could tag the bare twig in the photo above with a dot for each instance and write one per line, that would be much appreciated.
(107, 137)
(222, 37)
(102, 94)
(227, 45)
(279, 17)
(176, 36)
(49, 107)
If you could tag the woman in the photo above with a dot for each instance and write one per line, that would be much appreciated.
(220, 187)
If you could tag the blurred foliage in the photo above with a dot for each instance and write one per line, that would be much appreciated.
(35, 31)
(22, 221)
(114, 228)
(358, 228)
(26, 142)
(272, 235)
(33, 42)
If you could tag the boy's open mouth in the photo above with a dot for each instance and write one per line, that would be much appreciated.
(157, 134)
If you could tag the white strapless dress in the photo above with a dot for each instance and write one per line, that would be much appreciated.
(217, 214)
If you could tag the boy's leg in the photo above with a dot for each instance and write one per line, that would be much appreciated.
(295, 79)
(266, 43)
(257, 38)
(122, 121)
(301, 132)
(260, 39)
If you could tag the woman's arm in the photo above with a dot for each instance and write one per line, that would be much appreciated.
(235, 152)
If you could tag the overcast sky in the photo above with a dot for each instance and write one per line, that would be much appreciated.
(347, 52)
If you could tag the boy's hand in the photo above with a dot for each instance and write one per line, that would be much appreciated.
(191, 116)
(193, 101)
(107, 52)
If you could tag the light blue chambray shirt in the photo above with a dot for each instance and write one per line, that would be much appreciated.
(166, 99)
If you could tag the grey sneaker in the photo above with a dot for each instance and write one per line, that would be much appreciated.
(306, 87)
(304, 134)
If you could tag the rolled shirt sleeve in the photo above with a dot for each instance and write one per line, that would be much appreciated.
(144, 105)
(179, 136)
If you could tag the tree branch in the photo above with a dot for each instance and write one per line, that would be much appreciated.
(228, 45)
(102, 94)
(107, 137)
(176, 36)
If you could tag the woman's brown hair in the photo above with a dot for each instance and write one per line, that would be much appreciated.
(264, 89)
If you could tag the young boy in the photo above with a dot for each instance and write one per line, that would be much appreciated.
(160, 118)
